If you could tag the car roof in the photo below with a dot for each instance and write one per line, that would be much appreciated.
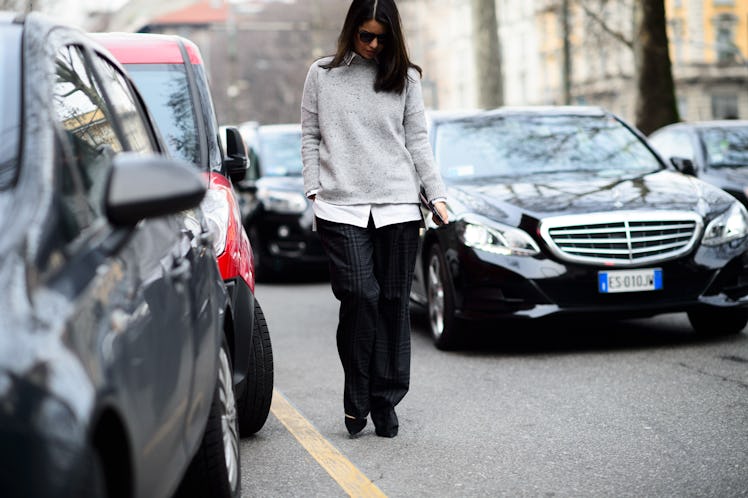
(560, 110)
(149, 48)
(723, 123)
(280, 128)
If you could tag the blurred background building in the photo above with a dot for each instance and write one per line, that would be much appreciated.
(708, 47)
(548, 51)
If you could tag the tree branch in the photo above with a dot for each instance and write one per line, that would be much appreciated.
(601, 22)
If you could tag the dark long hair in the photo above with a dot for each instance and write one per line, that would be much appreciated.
(393, 61)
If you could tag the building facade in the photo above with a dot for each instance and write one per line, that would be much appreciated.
(708, 49)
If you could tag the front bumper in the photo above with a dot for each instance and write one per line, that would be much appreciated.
(286, 240)
(491, 286)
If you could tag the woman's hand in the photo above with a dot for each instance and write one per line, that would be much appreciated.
(441, 208)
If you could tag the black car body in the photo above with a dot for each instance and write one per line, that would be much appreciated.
(113, 362)
(559, 211)
(277, 215)
(171, 75)
(714, 151)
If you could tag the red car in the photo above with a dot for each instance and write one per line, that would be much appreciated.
(170, 74)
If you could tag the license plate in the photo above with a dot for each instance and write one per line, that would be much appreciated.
(629, 280)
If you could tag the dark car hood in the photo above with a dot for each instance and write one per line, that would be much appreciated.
(540, 196)
(293, 183)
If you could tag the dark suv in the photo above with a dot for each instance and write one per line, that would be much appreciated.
(114, 367)
(170, 73)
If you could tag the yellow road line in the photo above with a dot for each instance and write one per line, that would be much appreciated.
(348, 477)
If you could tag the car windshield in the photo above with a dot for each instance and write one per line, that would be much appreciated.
(165, 89)
(10, 99)
(726, 147)
(521, 145)
(280, 154)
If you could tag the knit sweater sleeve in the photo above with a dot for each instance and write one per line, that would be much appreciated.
(417, 139)
(310, 133)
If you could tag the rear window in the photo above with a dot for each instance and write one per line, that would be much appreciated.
(165, 89)
(10, 103)
(726, 147)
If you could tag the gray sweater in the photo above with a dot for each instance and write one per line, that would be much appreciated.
(364, 147)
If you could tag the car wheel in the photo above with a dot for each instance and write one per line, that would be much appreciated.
(442, 322)
(215, 469)
(257, 389)
(718, 322)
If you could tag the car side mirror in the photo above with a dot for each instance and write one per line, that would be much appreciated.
(684, 165)
(145, 186)
(235, 162)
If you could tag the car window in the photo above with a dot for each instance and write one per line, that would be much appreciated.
(673, 143)
(521, 145)
(165, 89)
(125, 107)
(280, 154)
(726, 147)
(83, 115)
(10, 103)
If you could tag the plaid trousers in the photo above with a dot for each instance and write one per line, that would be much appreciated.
(371, 272)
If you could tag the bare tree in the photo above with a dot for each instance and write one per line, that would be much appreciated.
(656, 105)
(655, 88)
(487, 54)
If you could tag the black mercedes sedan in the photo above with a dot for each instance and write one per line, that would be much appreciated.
(714, 151)
(115, 375)
(568, 211)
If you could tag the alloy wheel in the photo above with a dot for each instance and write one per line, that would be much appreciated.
(435, 297)
(229, 427)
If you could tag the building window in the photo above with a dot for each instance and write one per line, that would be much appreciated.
(724, 106)
(724, 25)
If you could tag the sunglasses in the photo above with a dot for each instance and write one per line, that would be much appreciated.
(367, 37)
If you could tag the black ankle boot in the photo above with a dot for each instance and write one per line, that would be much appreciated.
(354, 425)
(385, 422)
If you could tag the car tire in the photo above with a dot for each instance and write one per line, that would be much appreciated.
(443, 324)
(256, 392)
(215, 470)
(719, 322)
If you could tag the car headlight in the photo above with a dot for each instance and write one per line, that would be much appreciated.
(282, 201)
(496, 238)
(729, 226)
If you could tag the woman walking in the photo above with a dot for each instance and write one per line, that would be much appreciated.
(366, 152)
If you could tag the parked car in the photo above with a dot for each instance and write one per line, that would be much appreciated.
(170, 72)
(278, 217)
(568, 211)
(114, 366)
(714, 151)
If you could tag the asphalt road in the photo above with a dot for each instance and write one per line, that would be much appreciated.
(577, 409)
